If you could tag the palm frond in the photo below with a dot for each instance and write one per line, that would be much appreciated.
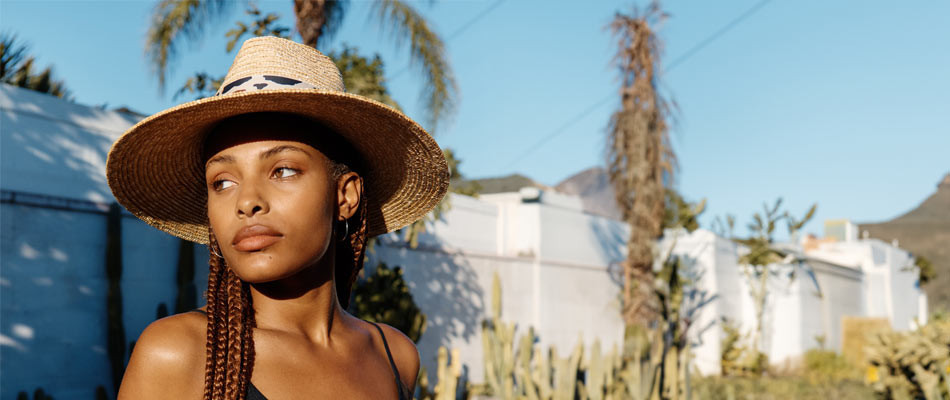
(427, 52)
(172, 19)
(17, 69)
(12, 55)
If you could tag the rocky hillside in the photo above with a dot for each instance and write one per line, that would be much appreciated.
(595, 191)
(925, 231)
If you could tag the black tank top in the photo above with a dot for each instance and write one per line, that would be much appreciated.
(402, 391)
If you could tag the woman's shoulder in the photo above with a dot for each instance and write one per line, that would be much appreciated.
(179, 333)
(168, 355)
(403, 350)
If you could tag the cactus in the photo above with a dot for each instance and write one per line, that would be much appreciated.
(115, 329)
(652, 365)
(911, 365)
(187, 297)
(523, 372)
(38, 394)
(448, 374)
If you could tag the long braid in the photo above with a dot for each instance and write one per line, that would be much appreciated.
(230, 342)
(221, 335)
(235, 336)
(247, 340)
(212, 295)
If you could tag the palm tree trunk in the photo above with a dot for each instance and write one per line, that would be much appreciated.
(311, 18)
(640, 159)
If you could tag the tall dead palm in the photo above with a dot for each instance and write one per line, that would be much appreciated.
(640, 160)
(316, 20)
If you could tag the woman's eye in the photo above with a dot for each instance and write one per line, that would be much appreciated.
(284, 172)
(222, 184)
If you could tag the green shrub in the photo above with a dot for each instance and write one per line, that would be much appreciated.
(823, 366)
(777, 388)
(384, 297)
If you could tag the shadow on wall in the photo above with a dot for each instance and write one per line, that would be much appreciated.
(53, 288)
(53, 147)
(445, 286)
(611, 239)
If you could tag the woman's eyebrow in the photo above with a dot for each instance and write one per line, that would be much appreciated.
(280, 149)
(220, 159)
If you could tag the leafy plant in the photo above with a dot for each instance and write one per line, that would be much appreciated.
(762, 259)
(384, 297)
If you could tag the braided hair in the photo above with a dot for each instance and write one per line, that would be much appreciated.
(229, 347)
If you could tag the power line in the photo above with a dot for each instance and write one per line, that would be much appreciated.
(675, 63)
(472, 21)
(458, 31)
(726, 28)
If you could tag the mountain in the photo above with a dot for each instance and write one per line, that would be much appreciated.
(595, 191)
(504, 184)
(925, 231)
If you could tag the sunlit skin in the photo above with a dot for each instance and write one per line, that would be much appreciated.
(272, 205)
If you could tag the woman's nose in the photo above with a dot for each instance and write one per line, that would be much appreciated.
(251, 202)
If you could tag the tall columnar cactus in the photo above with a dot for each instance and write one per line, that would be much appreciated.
(524, 372)
(115, 330)
(448, 374)
(187, 297)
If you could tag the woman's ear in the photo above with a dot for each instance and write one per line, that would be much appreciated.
(349, 192)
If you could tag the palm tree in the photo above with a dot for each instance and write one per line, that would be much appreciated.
(17, 68)
(316, 20)
(640, 159)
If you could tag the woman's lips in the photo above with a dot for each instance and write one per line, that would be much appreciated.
(255, 237)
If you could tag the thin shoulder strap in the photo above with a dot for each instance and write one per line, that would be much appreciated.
(392, 363)
(200, 311)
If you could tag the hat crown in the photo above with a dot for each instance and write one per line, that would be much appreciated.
(269, 62)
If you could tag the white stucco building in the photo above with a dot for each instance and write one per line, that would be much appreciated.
(554, 261)
(835, 278)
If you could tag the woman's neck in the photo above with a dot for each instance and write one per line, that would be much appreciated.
(305, 303)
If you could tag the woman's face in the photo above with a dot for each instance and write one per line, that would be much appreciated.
(271, 201)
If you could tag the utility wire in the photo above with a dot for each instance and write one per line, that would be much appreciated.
(457, 32)
(675, 63)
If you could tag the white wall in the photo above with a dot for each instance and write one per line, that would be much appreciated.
(553, 262)
(859, 278)
(53, 287)
(52, 261)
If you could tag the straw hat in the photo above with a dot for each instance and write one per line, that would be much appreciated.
(156, 170)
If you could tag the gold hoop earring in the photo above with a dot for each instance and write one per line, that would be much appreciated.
(212, 244)
(214, 249)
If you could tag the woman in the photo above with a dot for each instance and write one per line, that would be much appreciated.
(284, 176)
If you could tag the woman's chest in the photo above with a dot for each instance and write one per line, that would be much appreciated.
(295, 371)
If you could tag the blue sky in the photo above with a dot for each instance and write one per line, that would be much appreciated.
(846, 104)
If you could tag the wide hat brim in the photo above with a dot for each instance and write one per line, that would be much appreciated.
(156, 170)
